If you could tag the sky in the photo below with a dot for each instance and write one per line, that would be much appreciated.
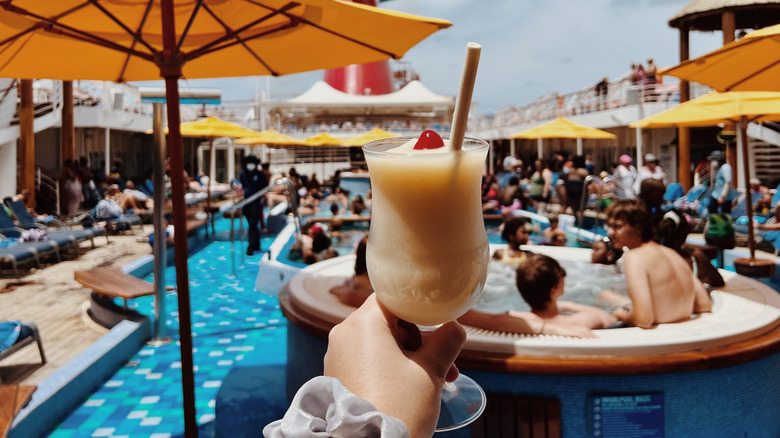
(530, 48)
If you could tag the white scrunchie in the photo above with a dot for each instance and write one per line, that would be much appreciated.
(323, 407)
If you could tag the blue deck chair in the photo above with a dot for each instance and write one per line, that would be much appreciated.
(55, 242)
(124, 222)
(61, 232)
(26, 220)
(16, 254)
(15, 335)
(673, 192)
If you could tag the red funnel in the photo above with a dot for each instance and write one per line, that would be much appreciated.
(362, 79)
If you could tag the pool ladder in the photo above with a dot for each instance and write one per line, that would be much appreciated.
(292, 199)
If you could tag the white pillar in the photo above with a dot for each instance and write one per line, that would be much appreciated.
(231, 163)
(539, 148)
(8, 169)
(639, 155)
(200, 158)
(512, 147)
(579, 145)
(108, 151)
(212, 162)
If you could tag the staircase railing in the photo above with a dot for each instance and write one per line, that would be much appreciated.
(292, 198)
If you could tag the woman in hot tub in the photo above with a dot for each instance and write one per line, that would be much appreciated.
(662, 288)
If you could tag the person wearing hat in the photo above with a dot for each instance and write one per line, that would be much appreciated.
(625, 176)
(649, 169)
(253, 179)
(723, 193)
(512, 167)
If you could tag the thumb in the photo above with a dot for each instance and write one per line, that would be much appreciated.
(440, 348)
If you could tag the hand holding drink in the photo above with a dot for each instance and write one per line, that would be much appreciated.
(427, 252)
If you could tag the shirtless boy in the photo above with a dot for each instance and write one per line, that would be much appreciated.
(661, 285)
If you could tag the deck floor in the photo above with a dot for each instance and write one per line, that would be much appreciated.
(57, 304)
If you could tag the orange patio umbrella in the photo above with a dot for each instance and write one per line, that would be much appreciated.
(563, 128)
(118, 40)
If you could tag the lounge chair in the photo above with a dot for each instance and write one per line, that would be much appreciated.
(124, 222)
(16, 254)
(26, 220)
(62, 229)
(15, 335)
(54, 240)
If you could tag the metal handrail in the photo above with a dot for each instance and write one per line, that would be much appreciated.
(292, 198)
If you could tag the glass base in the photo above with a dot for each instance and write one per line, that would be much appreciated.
(462, 402)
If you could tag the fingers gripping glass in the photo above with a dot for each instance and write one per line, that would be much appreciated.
(427, 251)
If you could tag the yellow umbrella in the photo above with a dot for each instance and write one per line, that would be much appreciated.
(118, 40)
(269, 136)
(751, 63)
(740, 107)
(323, 139)
(714, 108)
(563, 128)
(374, 134)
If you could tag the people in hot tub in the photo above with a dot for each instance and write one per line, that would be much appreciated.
(354, 291)
(661, 286)
(541, 281)
(515, 231)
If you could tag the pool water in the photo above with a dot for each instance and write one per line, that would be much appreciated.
(500, 293)
(229, 321)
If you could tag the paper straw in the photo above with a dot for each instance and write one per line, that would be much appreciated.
(463, 102)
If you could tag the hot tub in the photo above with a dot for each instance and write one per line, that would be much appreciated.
(715, 375)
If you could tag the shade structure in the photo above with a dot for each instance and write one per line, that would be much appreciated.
(323, 139)
(269, 136)
(374, 134)
(121, 40)
(714, 108)
(739, 107)
(751, 63)
(563, 128)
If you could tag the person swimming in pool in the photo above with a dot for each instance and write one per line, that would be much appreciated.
(541, 281)
(354, 291)
(516, 231)
(661, 286)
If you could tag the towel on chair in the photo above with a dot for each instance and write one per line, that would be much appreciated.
(9, 333)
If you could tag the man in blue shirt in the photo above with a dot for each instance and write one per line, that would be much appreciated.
(723, 192)
(253, 179)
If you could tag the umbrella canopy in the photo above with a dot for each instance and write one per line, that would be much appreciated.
(751, 63)
(215, 127)
(740, 107)
(116, 40)
(564, 128)
(374, 134)
(323, 139)
(714, 108)
(269, 136)
(120, 40)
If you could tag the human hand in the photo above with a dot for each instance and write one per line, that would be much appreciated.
(573, 331)
(387, 362)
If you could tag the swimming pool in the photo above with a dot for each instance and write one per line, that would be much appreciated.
(231, 323)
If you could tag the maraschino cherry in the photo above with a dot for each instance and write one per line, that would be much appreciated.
(429, 139)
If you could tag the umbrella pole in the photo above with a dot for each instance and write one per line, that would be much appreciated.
(748, 196)
(170, 69)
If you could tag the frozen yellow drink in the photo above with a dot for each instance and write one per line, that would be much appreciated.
(427, 251)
